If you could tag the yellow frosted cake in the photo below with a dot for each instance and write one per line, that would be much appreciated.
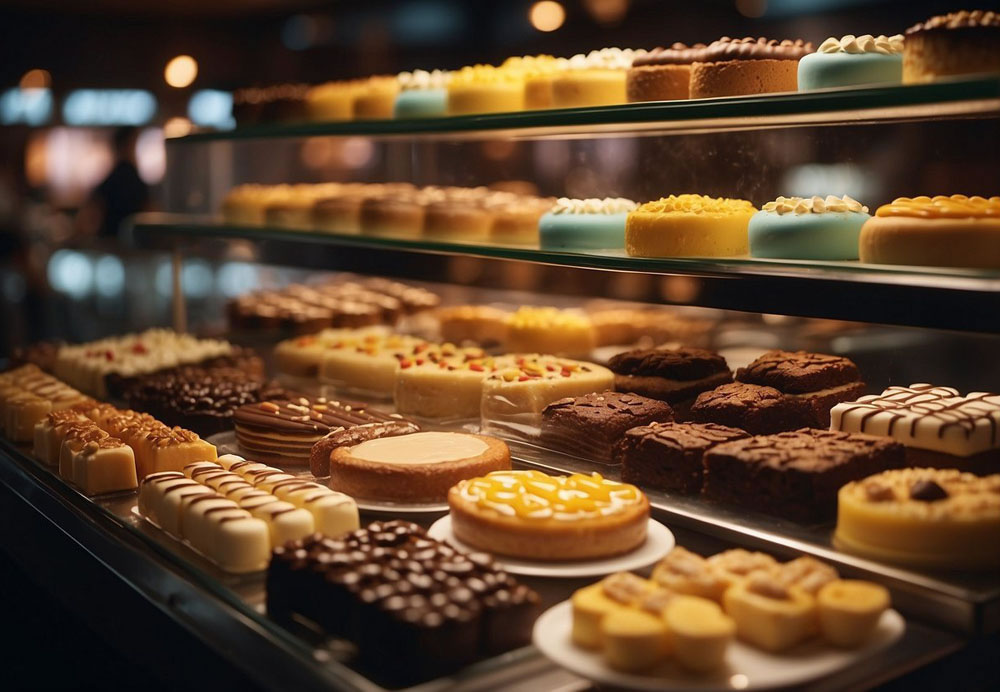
(689, 226)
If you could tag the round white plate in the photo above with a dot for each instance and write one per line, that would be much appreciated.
(747, 668)
(378, 507)
(659, 542)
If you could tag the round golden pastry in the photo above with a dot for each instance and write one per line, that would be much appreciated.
(941, 231)
(419, 467)
(663, 74)
(734, 67)
(529, 514)
(689, 226)
(457, 220)
(939, 518)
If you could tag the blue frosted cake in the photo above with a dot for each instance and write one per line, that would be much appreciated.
(808, 228)
(585, 224)
(422, 94)
(853, 61)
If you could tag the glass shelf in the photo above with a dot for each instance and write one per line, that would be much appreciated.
(942, 298)
(949, 98)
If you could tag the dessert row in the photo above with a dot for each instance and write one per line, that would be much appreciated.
(954, 231)
(944, 46)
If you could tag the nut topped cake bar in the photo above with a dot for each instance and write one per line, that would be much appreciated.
(939, 427)
(795, 475)
(591, 425)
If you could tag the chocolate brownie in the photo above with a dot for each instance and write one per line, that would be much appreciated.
(676, 376)
(669, 456)
(822, 381)
(199, 399)
(319, 457)
(796, 475)
(758, 410)
(590, 426)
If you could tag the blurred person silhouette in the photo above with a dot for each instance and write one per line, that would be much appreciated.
(121, 194)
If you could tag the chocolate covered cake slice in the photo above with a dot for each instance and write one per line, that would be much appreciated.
(758, 410)
(676, 376)
(669, 456)
(795, 475)
(590, 426)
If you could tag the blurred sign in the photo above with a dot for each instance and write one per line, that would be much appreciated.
(109, 107)
(32, 106)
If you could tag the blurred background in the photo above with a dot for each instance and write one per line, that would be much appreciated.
(89, 92)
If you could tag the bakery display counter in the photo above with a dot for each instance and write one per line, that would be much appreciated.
(226, 612)
(957, 97)
(944, 298)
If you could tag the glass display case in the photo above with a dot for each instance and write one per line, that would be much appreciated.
(900, 324)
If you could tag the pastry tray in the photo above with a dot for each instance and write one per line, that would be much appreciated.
(163, 560)
(963, 602)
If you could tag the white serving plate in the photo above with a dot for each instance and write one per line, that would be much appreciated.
(659, 542)
(748, 668)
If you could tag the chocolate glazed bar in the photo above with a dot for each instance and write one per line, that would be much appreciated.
(795, 475)
(389, 588)
(590, 426)
(676, 376)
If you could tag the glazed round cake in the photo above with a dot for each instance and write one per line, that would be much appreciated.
(689, 226)
(852, 61)
(941, 231)
(532, 515)
(593, 224)
(420, 467)
(808, 228)
(938, 518)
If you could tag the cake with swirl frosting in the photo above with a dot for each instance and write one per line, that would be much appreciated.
(941, 231)
(952, 44)
(532, 515)
(808, 228)
(734, 67)
(853, 60)
(662, 74)
(585, 224)
(937, 518)
(689, 226)
(940, 427)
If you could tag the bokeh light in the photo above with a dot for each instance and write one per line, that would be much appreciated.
(36, 79)
(547, 15)
(181, 71)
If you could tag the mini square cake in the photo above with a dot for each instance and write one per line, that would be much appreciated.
(940, 427)
(591, 425)
(820, 380)
(756, 409)
(676, 376)
(795, 475)
(669, 456)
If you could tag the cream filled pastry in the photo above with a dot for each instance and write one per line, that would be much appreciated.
(808, 228)
(585, 224)
(852, 61)
(420, 467)
(533, 515)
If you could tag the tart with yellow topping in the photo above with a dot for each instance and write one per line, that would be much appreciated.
(529, 514)
(941, 231)
(689, 226)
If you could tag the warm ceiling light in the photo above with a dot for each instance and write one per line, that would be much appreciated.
(181, 71)
(35, 79)
(547, 15)
(176, 127)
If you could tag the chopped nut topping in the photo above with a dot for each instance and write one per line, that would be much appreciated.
(876, 492)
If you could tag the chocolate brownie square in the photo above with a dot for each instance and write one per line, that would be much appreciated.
(820, 380)
(676, 376)
(669, 456)
(795, 475)
(591, 425)
(758, 410)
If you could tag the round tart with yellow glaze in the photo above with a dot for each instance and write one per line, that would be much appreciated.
(939, 518)
(420, 467)
(529, 514)
(941, 231)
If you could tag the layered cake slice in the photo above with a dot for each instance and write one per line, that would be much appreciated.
(674, 375)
